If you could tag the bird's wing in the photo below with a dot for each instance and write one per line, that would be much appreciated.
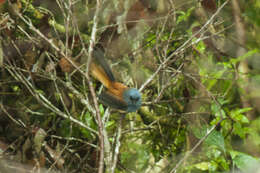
(113, 101)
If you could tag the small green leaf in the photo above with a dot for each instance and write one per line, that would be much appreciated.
(88, 120)
(202, 166)
(183, 15)
(109, 124)
(101, 109)
(16, 88)
(201, 47)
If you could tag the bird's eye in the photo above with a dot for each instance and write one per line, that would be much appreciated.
(134, 98)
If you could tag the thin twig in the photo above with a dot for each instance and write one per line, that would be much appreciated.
(118, 144)
(92, 91)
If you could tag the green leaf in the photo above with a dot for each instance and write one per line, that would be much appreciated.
(239, 130)
(202, 166)
(217, 110)
(110, 123)
(16, 88)
(88, 120)
(201, 47)
(237, 115)
(183, 15)
(243, 161)
(215, 138)
(101, 109)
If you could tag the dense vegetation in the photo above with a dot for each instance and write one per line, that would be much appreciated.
(196, 64)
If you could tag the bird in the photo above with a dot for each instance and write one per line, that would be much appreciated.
(117, 95)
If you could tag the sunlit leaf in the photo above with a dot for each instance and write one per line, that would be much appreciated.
(203, 166)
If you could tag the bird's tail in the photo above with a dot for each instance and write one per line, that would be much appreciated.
(101, 70)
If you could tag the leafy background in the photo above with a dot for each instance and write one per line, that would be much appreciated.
(196, 63)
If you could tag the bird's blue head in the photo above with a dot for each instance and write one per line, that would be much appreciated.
(133, 99)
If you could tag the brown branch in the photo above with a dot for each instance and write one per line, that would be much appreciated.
(92, 91)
